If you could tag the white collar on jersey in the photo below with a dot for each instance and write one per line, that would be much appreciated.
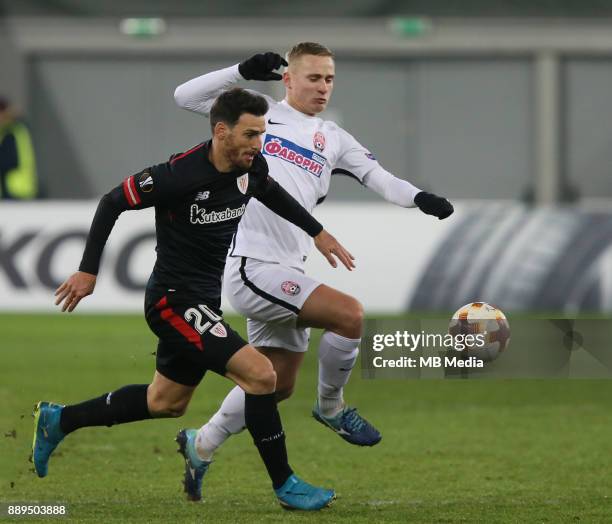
(296, 112)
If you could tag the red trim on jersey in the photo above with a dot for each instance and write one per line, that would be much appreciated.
(129, 191)
(178, 323)
(162, 303)
(133, 187)
(126, 192)
(182, 155)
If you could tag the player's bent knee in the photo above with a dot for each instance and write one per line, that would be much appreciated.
(261, 382)
(253, 372)
(166, 410)
(284, 393)
(175, 411)
(284, 387)
(351, 320)
(357, 314)
(161, 407)
(266, 381)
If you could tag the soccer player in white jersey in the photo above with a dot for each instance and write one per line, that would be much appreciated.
(264, 278)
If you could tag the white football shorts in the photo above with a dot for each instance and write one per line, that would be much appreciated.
(270, 296)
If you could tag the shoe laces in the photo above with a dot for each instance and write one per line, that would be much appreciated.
(352, 420)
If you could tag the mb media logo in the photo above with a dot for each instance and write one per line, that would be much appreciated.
(34, 258)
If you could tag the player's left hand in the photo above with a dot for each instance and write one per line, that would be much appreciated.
(261, 66)
(74, 289)
(434, 205)
(329, 246)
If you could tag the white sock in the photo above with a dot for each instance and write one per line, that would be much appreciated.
(228, 421)
(337, 356)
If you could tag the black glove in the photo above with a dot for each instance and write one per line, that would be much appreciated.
(261, 66)
(434, 205)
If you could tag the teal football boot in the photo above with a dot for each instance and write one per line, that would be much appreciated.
(297, 494)
(195, 467)
(47, 435)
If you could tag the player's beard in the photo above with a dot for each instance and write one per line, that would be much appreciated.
(233, 153)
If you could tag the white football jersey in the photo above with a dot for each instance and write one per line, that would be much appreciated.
(302, 152)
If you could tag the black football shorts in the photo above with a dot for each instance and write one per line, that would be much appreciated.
(193, 338)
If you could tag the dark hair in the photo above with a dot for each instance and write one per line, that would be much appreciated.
(231, 104)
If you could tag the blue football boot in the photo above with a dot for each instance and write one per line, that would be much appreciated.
(297, 494)
(350, 425)
(195, 467)
(47, 435)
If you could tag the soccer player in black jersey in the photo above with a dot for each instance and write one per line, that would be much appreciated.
(199, 197)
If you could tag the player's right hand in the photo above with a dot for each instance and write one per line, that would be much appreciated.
(329, 246)
(261, 66)
(75, 288)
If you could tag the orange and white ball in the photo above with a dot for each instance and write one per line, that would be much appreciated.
(480, 318)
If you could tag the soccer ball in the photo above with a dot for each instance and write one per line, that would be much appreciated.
(489, 329)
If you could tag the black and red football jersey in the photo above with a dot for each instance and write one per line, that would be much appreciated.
(197, 211)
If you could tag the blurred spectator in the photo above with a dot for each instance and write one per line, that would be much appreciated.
(17, 163)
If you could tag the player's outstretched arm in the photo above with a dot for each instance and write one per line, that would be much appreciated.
(359, 163)
(82, 283)
(139, 191)
(403, 193)
(199, 94)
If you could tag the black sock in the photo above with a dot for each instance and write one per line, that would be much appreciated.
(264, 424)
(127, 404)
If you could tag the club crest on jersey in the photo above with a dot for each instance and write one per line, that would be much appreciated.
(290, 288)
(218, 330)
(243, 183)
(319, 141)
(145, 181)
(288, 151)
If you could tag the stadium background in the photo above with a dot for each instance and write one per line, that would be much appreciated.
(504, 107)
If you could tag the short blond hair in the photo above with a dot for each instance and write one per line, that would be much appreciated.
(308, 48)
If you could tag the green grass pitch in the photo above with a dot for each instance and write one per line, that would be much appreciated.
(452, 451)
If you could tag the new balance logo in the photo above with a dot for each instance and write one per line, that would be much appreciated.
(202, 195)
